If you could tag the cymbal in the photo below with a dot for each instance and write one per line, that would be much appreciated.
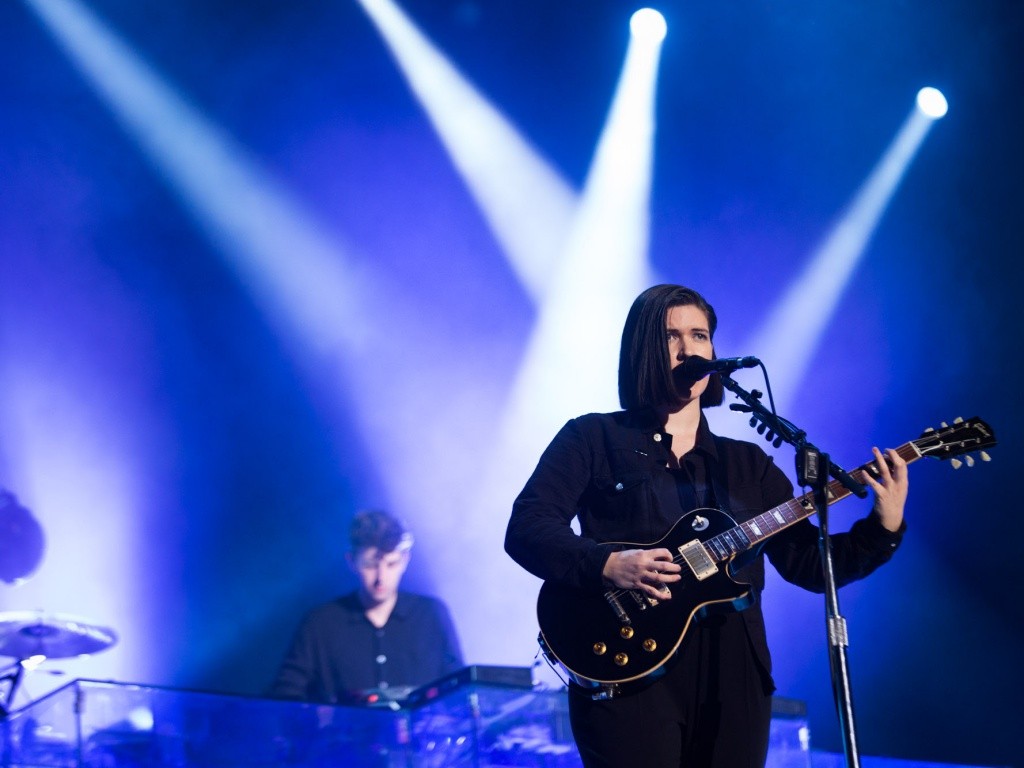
(56, 636)
(22, 541)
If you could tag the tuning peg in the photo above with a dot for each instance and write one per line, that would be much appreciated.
(930, 429)
(943, 424)
(958, 420)
(985, 456)
(956, 463)
(969, 459)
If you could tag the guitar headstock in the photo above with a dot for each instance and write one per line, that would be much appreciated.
(957, 439)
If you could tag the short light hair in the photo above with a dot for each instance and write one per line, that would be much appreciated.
(377, 529)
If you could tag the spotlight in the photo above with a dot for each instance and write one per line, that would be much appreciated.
(932, 102)
(648, 25)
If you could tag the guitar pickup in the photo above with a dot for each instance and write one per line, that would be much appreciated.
(642, 600)
(697, 558)
(613, 601)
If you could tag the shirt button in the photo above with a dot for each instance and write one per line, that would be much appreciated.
(381, 659)
(657, 437)
(618, 486)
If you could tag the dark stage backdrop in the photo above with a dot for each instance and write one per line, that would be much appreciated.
(194, 414)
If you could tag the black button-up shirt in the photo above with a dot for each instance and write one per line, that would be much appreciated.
(337, 654)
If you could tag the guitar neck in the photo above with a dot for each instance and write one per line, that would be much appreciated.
(755, 530)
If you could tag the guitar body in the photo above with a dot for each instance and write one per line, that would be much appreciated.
(600, 643)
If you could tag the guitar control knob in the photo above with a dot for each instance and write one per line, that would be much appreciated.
(649, 645)
(600, 648)
(626, 632)
(621, 659)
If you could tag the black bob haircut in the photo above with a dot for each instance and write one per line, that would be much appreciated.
(645, 372)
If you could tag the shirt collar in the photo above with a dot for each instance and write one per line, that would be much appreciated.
(356, 612)
(646, 419)
(401, 609)
(649, 422)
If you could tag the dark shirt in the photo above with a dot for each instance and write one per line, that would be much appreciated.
(337, 654)
(614, 473)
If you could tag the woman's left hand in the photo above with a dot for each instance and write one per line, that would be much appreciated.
(890, 484)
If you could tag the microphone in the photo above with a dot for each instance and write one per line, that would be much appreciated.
(696, 368)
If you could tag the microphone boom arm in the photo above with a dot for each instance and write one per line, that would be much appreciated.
(790, 433)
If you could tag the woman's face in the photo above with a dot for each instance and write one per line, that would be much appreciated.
(688, 335)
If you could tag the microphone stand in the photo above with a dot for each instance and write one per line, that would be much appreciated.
(809, 463)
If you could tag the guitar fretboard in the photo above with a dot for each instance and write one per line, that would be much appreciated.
(755, 530)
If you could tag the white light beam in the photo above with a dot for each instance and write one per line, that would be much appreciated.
(790, 336)
(527, 205)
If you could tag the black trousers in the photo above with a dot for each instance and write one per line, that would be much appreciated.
(712, 709)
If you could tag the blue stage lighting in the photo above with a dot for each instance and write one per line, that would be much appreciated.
(648, 25)
(932, 102)
(526, 202)
(796, 326)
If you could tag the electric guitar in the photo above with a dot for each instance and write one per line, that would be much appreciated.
(621, 636)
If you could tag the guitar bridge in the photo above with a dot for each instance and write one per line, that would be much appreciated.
(697, 558)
